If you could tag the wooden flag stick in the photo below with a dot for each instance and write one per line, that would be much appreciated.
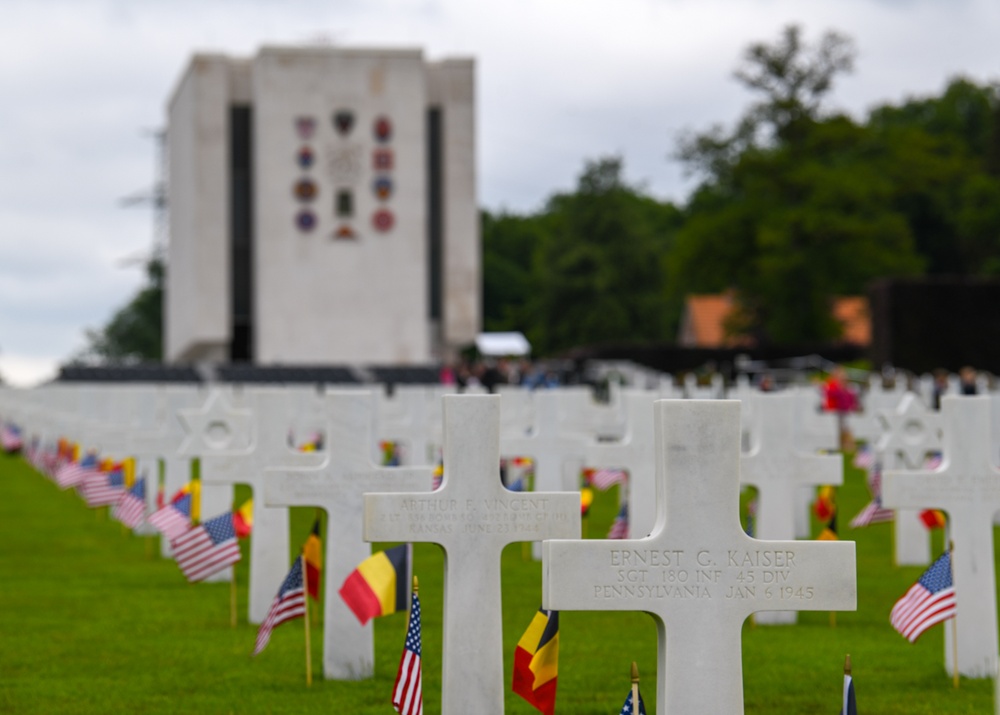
(232, 599)
(954, 619)
(833, 619)
(635, 687)
(305, 588)
(847, 664)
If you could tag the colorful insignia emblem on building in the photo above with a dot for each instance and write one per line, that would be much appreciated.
(305, 190)
(382, 186)
(382, 160)
(305, 220)
(344, 232)
(344, 204)
(305, 157)
(343, 121)
(383, 129)
(383, 220)
(305, 126)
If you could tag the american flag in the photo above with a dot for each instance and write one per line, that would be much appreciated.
(207, 548)
(627, 708)
(874, 512)
(173, 519)
(751, 517)
(619, 529)
(864, 458)
(407, 692)
(131, 507)
(288, 604)
(10, 438)
(70, 474)
(103, 488)
(930, 600)
(606, 478)
(850, 706)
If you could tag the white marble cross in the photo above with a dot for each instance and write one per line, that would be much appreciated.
(909, 432)
(215, 499)
(161, 444)
(473, 517)
(337, 485)
(967, 487)
(816, 430)
(698, 573)
(235, 445)
(635, 454)
(550, 449)
(405, 418)
(779, 470)
(546, 445)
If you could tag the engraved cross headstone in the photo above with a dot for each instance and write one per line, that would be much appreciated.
(549, 448)
(215, 499)
(235, 445)
(473, 517)
(635, 454)
(967, 487)
(698, 574)
(909, 432)
(337, 485)
(546, 445)
(779, 470)
(161, 444)
(816, 430)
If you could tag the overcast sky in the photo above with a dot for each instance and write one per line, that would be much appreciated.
(83, 82)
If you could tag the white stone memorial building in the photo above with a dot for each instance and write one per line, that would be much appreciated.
(322, 206)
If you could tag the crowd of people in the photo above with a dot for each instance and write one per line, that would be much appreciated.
(490, 373)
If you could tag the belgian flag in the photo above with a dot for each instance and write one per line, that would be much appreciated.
(312, 551)
(536, 662)
(379, 585)
(829, 532)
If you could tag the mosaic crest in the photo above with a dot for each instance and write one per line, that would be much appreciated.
(343, 121)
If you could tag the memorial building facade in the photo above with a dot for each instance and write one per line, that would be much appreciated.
(322, 206)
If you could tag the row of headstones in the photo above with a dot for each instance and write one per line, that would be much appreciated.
(473, 517)
(217, 434)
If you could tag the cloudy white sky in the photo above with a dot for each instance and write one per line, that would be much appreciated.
(82, 83)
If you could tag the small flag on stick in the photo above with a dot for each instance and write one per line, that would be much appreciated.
(288, 604)
(207, 548)
(536, 662)
(849, 707)
(929, 601)
(630, 708)
(407, 691)
(619, 528)
(312, 551)
(131, 507)
(377, 587)
(243, 519)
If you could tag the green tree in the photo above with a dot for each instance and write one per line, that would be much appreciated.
(943, 155)
(509, 243)
(792, 209)
(597, 273)
(135, 331)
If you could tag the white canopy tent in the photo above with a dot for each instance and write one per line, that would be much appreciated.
(501, 344)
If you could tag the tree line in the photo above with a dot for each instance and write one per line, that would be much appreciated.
(794, 205)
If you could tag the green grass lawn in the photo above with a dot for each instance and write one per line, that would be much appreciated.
(93, 621)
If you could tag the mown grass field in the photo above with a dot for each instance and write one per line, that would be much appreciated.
(93, 621)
